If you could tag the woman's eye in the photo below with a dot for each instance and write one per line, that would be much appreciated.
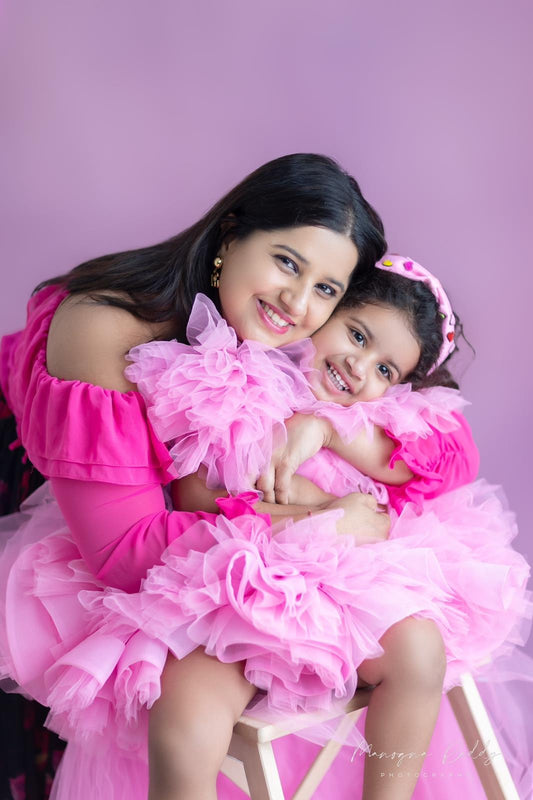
(385, 371)
(288, 263)
(326, 289)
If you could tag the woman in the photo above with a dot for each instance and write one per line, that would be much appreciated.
(291, 235)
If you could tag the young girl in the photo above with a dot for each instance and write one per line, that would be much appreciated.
(306, 609)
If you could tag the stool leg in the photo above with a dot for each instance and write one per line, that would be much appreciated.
(479, 736)
(233, 769)
(326, 757)
(260, 768)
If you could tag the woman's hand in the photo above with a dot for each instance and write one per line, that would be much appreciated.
(306, 435)
(362, 518)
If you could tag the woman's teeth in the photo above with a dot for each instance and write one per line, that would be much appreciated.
(337, 380)
(276, 319)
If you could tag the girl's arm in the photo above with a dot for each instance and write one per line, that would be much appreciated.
(371, 455)
(306, 435)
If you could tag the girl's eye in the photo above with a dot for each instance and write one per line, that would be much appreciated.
(385, 371)
(288, 263)
(358, 336)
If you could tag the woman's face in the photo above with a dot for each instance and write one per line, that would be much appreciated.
(360, 352)
(280, 286)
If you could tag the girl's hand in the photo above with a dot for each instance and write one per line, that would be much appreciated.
(306, 435)
(362, 518)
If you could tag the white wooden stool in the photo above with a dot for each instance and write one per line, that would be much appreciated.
(251, 764)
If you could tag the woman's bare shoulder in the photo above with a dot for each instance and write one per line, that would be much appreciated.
(88, 342)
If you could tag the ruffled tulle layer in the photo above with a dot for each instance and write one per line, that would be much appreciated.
(303, 608)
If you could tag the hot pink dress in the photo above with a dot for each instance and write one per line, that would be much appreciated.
(81, 633)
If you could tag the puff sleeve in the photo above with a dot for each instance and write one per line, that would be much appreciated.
(441, 462)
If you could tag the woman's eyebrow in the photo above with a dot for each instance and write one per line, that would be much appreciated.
(293, 252)
(300, 257)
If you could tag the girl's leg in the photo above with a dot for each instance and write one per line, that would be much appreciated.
(191, 725)
(403, 707)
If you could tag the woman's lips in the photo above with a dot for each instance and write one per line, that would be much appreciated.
(273, 318)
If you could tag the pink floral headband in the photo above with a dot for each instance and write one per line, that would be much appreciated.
(408, 268)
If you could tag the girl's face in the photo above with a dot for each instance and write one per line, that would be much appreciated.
(280, 286)
(360, 352)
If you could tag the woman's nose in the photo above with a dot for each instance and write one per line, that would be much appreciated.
(295, 299)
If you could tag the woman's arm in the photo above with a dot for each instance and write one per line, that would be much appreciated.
(121, 530)
(190, 493)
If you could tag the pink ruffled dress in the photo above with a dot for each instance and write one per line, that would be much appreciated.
(85, 628)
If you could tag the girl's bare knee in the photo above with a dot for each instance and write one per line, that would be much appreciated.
(177, 751)
(418, 653)
(413, 655)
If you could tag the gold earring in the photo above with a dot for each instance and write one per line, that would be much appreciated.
(215, 275)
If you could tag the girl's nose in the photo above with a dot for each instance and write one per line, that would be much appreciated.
(357, 366)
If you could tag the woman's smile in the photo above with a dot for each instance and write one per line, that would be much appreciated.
(274, 318)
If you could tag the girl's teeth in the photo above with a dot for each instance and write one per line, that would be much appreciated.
(337, 380)
(276, 319)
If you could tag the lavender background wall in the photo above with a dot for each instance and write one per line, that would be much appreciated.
(123, 120)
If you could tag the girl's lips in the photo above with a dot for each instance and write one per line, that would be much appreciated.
(332, 381)
(267, 312)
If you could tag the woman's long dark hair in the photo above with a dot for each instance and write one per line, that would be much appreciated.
(159, 282)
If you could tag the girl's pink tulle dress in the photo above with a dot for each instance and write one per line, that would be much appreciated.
(302, 607)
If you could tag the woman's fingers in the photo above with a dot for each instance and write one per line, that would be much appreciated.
(361, 518)
(305, 436)
(368, 500)
(282, 483)
(275, 482)
(265, 484)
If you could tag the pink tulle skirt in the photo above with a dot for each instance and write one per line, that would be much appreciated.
(302, 608)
